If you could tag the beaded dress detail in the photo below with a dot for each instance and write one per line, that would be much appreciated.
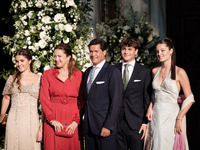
(23, 119)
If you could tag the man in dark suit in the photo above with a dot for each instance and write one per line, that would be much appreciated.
(103, 93)
(136, 97)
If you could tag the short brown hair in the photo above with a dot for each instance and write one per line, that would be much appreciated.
(102, 43)
(131, 42)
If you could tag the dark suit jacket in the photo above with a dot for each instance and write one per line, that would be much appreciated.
(103, 102)
(136, 97)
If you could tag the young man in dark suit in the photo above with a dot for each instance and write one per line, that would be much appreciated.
(136, 97)
(103, 93)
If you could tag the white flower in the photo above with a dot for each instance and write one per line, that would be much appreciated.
(31, 48)
(12, 49)
(126, 28)
(32, 29)
(68, 28)
(25, 23)
(6, 39)
(39, 26)
(43, 35)
(56, 27)
(44, 53)
(39, 73)
(70, 3)
(61, 26)
(38, 4)
(140, 39)
(23, 5)
(47, 67)
(36, 64)
(30, 14)
(59, 18)
(137, 30)
(29, 42)
(66, 40)
(27, 33)
(46, 19)
(42, 44)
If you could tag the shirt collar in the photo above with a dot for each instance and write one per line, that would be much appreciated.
(100, 65)
(132, 63)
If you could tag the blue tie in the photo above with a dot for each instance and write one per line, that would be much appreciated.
(91, 79)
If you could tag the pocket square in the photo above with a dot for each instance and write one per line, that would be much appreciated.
(136, 80)
(100, 82)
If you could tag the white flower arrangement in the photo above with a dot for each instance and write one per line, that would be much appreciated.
(40, 25)
(115, 30)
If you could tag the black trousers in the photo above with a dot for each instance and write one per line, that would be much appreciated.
(128, 139)
(97, 142)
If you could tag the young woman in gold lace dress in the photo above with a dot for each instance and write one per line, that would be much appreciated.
(23, 131)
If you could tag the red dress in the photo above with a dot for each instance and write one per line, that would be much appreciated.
(59, 102)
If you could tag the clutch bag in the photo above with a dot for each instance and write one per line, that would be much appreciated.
(63, 132)
(3, 118)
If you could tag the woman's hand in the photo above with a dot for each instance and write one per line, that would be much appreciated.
(178, 126)
(72, 127)
(57, 125)
(39, 136)
(149, 114)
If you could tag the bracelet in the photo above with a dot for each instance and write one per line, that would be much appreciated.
(178, 119)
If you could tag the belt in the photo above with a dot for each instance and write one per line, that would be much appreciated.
(63, 100)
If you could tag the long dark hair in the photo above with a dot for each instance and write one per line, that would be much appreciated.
(170, 44)
(17, 75)
(68, 51)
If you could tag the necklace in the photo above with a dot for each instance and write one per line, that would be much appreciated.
(63, 72)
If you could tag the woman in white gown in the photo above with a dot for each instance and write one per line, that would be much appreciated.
(167, 119)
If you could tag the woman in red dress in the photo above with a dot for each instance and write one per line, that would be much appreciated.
(58, 95)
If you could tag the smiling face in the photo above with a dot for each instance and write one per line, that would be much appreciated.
(22, 63)
(128, 53)
(96, 54)
(60, 58)
(163, 52)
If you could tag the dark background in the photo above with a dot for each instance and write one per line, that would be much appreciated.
(183, 26)
(5, 60)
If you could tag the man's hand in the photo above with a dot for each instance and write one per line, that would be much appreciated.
(105, 132)
(143, 128)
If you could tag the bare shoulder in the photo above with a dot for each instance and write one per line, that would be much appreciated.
(181, 73)
(154, 70)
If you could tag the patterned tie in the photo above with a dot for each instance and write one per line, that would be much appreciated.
(91, 79)
(126, 75)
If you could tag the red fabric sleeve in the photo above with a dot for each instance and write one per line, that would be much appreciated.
(80, 103)
(44, 98)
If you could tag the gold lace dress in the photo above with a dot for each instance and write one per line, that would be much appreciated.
(23, 119)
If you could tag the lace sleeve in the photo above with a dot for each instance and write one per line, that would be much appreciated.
(7, 86)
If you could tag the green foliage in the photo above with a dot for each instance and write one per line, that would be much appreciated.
(39, 25)
(115, 30)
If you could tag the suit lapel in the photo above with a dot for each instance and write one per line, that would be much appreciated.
(86, 78)
(98, 76)
(119, 66)
(134, 74)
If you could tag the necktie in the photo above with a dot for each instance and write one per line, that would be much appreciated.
(126, 75)
(91, 79)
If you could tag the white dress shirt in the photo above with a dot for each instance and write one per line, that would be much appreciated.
(98, 68)
(130, 68)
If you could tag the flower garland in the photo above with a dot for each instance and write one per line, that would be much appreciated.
(39, 25)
